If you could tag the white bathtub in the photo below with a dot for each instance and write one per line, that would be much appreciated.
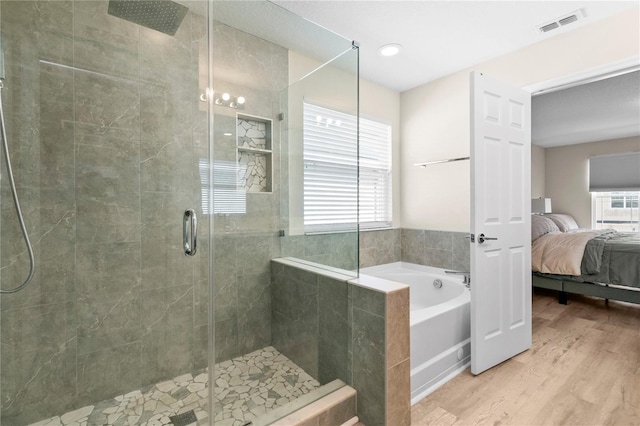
(440, 323)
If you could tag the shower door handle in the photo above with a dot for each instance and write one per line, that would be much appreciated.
(190, 232)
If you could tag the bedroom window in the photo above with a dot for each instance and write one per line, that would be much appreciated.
(616, 210)
(333, 168)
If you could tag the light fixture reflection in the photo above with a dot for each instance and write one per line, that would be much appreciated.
(228, 100)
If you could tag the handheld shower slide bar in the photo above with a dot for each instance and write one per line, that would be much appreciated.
(16, 202)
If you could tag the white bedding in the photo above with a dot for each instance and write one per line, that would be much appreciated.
(560, 253)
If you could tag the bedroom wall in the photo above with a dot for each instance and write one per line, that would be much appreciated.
(567, 175)
(537, 171)
(435, 117)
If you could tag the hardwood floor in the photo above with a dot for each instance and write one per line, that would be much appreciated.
(583, 369)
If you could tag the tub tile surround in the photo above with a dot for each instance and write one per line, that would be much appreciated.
(440, 249)
(357, 330)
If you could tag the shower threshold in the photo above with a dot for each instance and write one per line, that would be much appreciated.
(245, 388)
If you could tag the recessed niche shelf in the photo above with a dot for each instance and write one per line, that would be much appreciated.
(254, 153)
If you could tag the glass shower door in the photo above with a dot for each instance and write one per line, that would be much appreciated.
(108, 133)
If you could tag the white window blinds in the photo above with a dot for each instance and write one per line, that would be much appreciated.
(619, 172)
(331, 171)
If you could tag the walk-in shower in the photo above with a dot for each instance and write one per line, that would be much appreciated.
(120, 116)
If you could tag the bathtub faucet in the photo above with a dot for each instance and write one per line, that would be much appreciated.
(466, 276)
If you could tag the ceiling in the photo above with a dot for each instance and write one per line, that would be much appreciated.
(441, 37)
(602, 110)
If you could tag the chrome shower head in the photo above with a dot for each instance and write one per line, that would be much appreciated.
(160, 15)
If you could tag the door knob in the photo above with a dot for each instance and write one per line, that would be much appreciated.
(482, 238)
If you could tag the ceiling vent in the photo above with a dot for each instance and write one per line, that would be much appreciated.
(562, 21)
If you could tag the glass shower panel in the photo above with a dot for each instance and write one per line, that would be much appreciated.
(320, 166)
(107, 132)
(258, 50)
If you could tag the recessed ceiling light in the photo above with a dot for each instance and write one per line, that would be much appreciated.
(389, 49)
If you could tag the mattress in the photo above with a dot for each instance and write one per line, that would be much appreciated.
(609, 258)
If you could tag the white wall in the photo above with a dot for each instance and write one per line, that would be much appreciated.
(335, 88)
(567, 175)
(537, 172)
(435, 117)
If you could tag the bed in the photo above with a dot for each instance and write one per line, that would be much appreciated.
(572, 260)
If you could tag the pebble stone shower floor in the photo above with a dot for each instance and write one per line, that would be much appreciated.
(246, 387)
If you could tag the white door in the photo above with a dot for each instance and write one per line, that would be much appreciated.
(501, 213)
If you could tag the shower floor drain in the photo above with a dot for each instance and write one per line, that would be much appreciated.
(183, 419)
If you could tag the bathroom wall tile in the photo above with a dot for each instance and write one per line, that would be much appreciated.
(56, 127)
(254, 313)
(437, 258)
(113, 54)
(398, 395)
(85, 13)
(344, 250)
(162, 57)
(167, 344)
(226, 335)
(32, 394)
(440, 240)
(292, 246)
(45, 27)
(107, 169)
(461, 252)
(378, 247)
(412, 245)
(257, 249)
(368, 300)
(369, 366)
(106, 269)
(108, 320)
(50, 219)
(333, 330)
(109, 372)
(397, 327)
(317, 244)
(106, 102)
(294, 317)
(201, 347)
(168, 167)
(368, 257)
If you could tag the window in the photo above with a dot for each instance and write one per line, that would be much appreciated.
(614, 182)
(616, 210)
(331, 171)
(624, 200)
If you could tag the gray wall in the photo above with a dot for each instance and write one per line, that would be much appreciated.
(245, 243)
(335, 329)
(105, 141)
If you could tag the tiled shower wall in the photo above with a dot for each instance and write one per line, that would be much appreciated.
(105, 141)
(245, 243)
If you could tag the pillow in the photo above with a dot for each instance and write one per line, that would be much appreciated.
(565, 222)
(541, 225)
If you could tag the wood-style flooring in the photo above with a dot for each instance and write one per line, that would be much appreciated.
(583, 369)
